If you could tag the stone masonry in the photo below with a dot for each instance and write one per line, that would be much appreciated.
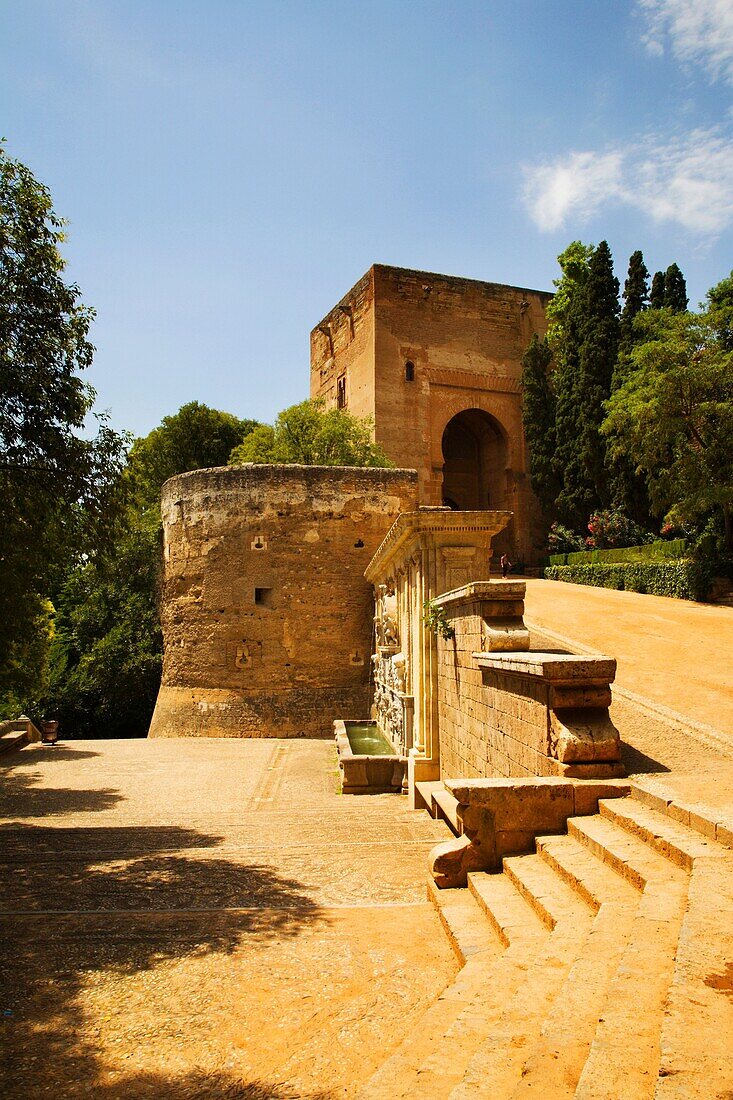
(514, 714)
(436, 362)
(267, 619)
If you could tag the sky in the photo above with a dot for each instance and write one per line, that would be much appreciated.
(230, 168)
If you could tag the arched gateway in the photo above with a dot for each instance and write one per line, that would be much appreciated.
(475, 462)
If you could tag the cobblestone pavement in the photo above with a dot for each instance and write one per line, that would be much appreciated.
(203, 918)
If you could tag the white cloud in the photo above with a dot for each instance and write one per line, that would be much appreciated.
(687, 180)
(576, 184)
(697, 31)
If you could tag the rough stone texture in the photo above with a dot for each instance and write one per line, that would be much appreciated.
(200, 919)
(464, 339)
(267, 620)
(518, 713)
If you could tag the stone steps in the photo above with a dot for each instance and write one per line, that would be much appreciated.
(476, 946)
(596, 967)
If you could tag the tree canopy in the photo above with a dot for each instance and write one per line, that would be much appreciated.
(311, 434)
(194, 438)
(674, 414)
(56, 484)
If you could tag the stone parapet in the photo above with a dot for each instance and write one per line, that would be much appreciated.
(505, 710)
(503, 817)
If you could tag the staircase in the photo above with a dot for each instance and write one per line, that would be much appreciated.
(597, 967)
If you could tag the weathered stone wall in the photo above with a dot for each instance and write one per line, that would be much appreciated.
(267, 619)
(517, 714)
(465, 339)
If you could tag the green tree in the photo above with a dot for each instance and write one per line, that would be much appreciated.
(627, 489)
(719, 302)
(656, 297)
(106, 655)
(581, 448)
(194, 438)
(675, 290)
(56, 485)
(538, 417)
(674, 416)
(311, 434)
(636, 297)
(565, 314)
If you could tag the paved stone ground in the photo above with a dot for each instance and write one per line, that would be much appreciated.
(673, 694)
(203, 918)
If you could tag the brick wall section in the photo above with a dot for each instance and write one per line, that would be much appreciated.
(267, 619)
(495, 722)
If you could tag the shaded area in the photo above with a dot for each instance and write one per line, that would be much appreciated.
(119, 925)
(207, 1086)
(20, 795)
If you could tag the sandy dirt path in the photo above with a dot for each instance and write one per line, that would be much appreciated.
(204, 918)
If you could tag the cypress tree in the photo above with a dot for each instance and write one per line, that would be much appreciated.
(636, 296)
(675, 290)
(538, 417)
(626, 489)
(656, 299)
(584, 475)
(565, 314)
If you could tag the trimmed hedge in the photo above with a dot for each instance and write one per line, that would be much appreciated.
(684, 579)
(650, 551)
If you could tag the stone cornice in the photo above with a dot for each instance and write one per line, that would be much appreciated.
(557, 668)
(481, 590)
(430, 523)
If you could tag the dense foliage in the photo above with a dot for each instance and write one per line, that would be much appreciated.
(631, 423)
(685, 579)
(311, 434)
(58, 488)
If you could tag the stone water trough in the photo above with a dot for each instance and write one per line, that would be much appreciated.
(368, 762)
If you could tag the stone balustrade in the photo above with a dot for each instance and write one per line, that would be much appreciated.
(508, 711)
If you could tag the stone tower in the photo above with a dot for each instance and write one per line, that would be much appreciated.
(436, 362)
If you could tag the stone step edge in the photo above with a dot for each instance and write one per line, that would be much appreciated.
(463, 920)
(638, 867)
(573, 876)
(522, 870)
(516, 924)
(677, 842)
(696, 817)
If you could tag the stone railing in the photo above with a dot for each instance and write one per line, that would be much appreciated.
(509, 712)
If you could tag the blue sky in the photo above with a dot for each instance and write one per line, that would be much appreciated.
(230, 168)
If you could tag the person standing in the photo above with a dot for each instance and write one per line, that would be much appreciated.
(505, 565)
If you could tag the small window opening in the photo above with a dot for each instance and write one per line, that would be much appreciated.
(358, 544)
(409, 371)
(341, 392)
(263, 597)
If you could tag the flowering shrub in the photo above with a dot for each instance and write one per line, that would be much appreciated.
(561, 540)
(610, 530)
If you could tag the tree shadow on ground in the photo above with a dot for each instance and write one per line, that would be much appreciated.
(200, 1085)
(20, 796)
(53, 753)
(83, 905)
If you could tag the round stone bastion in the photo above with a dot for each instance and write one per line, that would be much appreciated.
(267, 618)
